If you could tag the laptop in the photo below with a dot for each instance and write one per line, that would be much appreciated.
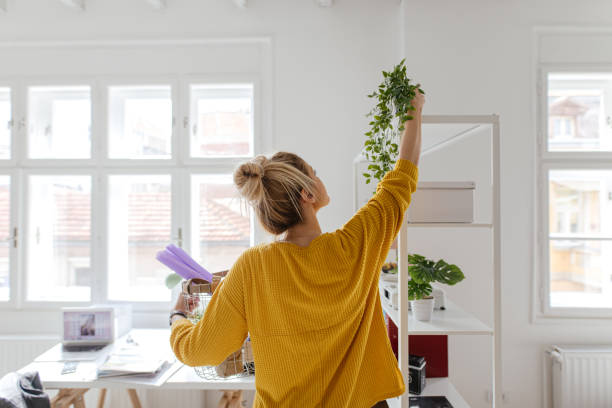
(87, 333)
(87, 328)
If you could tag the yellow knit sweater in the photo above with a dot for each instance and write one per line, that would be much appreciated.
(313, 313)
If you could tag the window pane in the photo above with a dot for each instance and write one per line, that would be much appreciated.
(5, 123)
(580, 112)
(581, 273)
(222, 120)
(59, 122)
(221, 225)
(580, 202)
(139, 226)
(140, 122)
(5, 236)
(59, 238)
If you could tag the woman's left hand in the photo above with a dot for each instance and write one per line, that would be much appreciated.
(184, 304)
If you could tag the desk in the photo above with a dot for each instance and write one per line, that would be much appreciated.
(73, 386)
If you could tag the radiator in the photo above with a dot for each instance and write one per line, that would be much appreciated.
(582, 376)
(18, 351)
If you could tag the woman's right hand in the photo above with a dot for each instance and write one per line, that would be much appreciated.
(417, 103)
(410, 144)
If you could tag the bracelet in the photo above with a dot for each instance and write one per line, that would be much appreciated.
(175, 313)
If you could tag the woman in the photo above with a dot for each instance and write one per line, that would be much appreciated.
(309, 301)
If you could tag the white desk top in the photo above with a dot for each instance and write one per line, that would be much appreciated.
(176, 376)
(86, 373)
(186, 378)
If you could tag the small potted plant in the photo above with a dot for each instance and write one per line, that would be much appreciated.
(393, 108)
(172, 282)
(423, 272)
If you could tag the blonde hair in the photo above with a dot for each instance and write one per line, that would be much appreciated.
(273, 186)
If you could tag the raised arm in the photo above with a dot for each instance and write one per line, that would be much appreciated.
(373, 228)
(410, 144)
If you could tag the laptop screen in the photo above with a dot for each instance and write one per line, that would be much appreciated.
(88, 326)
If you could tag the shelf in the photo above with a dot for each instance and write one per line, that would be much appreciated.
(437, 387)
(453, 320)
(447, 225)
(186, 378)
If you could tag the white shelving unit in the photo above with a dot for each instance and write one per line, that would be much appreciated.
(453, 320)
(437, 386)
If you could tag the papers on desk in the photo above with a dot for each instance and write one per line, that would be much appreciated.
(149, 344)
(126, 365)
(131, 359)
(57, 353)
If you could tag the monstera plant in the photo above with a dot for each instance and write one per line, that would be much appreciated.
(423, 272)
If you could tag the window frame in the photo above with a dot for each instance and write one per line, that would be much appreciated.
(547, 160)
(16, 112)
(180, 167)
(14, 283)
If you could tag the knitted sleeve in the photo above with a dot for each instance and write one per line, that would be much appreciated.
(221, 331)
(371, 231)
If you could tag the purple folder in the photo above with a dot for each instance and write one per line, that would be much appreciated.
(187, 260)
(174, 263)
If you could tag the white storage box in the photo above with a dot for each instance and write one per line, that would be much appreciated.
(442, 202)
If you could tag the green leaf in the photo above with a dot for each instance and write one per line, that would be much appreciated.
(172, 280)
(417, 290)
(448, 274)
(423, 270)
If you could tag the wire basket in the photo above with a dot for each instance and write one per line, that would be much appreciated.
(197, 294)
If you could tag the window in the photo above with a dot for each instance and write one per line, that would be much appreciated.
(140, 122)
(577, 169)
(5, 123)
(59, 122)
(580, 203)
(139, 225)
(109, 181)
(221, 228)
(59, 238)
(222, 120)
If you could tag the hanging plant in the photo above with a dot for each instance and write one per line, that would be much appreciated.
(393, 108)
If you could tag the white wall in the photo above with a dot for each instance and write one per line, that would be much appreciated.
(475, 57)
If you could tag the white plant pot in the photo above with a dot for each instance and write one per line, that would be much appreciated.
(422, 309)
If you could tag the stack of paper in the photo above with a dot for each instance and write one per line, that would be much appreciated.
(126, 364)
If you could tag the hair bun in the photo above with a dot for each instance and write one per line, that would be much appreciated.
(252, 169)
(248, 177)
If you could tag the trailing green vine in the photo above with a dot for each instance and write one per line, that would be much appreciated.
(393, 108)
